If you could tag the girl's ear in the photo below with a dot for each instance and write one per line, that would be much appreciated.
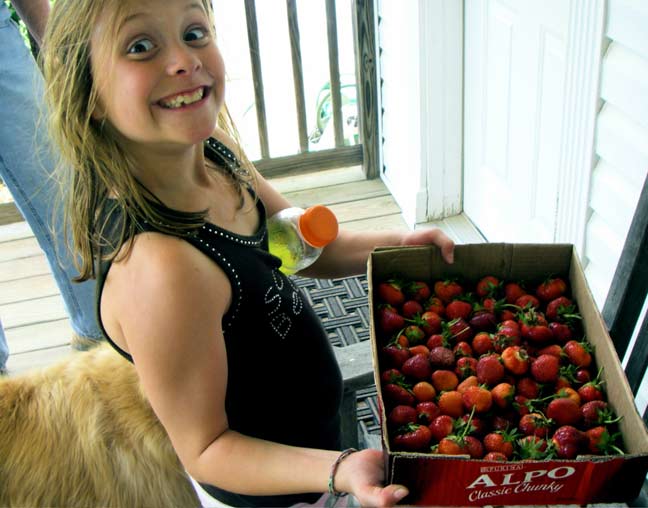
(98, 113)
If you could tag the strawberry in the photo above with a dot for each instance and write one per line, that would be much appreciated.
(466, 383)
(578, 353)
(513, 291)
(441, 426)
(592, 389)
(551, 349)
(564, 411)
(391, 292)
(475, 426)
(515, 360)
(545, 369)
(503, 394)
(413, 437)
(505, 336)
(459, 330)
(415, 334)
(500, 441)
(465, 367)
(419, 350)
(561, 309)
(417, 367)
(390, 320)
(551, 289)
(569, 393)
(444, 380)
(451, 403)
(473, 447)
(427, 412)
(402, 415)
(441, 358)
(435, 305)
(430, 322)
(462, 349)
(418, 290)
(560, 331)
(569, 442)
(395, 395)
(424, 391)
(522, 404)
(488, 286)
(535, 424)
(394, 355)
(582, 376)
(451, 445)
(527, 302)
(458, 309)
(601, 442)
(411, 308)
(392, 376)
(447, 290)
(482, 343)
(495, 457)
(490, 369)
(534, 448)
(597, 412)
(477, 397)
(437, 340)
(527, 387)
(483, 321)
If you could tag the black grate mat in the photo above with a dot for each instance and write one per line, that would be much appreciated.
(343, 307)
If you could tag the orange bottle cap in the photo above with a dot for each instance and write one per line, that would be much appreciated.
(318, 226)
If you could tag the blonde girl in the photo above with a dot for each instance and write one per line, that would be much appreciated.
(169, 217)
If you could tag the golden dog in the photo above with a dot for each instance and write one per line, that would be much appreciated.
(81, 434)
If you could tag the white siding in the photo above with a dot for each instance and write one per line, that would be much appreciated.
(621, 147)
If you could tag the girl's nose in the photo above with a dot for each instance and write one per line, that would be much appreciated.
(182, 60)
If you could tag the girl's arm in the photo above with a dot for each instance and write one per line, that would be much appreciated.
(168, 300)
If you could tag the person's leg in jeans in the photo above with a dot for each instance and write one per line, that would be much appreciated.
(25, 165)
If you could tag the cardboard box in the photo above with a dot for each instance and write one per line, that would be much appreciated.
(436, 480)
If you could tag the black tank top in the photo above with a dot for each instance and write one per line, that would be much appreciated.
(284, 383)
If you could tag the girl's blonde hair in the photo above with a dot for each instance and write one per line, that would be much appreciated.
(93, 166)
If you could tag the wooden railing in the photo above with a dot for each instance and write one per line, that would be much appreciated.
(366, 151)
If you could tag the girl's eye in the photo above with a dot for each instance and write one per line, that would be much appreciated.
(141, 46)
(195, 34)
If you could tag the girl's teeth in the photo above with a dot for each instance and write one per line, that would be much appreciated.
(181, 100)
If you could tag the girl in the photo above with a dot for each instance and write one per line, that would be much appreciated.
(169, 216)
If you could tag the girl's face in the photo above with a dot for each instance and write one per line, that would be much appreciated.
(158, 73)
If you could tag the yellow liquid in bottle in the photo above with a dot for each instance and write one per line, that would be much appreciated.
(285, 243)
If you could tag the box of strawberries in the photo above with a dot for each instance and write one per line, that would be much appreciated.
(497, 381)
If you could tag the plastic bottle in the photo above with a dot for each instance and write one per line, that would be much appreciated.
(298, 236)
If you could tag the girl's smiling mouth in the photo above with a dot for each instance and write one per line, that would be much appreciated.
(184, 98)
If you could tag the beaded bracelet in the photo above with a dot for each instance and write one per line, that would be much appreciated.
(334, 468)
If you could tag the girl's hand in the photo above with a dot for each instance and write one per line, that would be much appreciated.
(431, 236)
(362, 474)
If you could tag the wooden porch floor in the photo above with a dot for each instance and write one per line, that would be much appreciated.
(31, 307)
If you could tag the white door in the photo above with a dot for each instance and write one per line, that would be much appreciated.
(521, 65)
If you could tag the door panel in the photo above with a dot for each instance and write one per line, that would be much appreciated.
(514, 89)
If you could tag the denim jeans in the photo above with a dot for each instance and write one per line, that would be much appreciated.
(26, 161)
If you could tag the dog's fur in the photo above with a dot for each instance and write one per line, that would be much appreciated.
(81, 434)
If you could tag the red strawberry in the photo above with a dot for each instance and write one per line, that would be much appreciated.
(483, 320)
(441, 358)
(415, 334)
(551, 289)
(495, 457)
(569, 442)
(465, 367)
(534, 448)
(419, 350)
(459, 330)
(503, 394)
(528, 387)
(474, 447)
(427, 412)
(395, 395)
(564, 411)
(466, 383)
(424, 391)
(478, 398)
(527, 301)
(458, 309)
(545, 369)
(390, 320)
(392, 376)
(413, 438)
(535, 424)
(513, 291)
(411, 308)
(418, 367)
(560, 331)
(487, 286)
(447, 290)
(490, 369)
(578, 353)
(431, 322)
(505, 336)
(402, 415)
(462, 349)
(482, 343)
(418, 290)
(601, 442)
(515, 360)
(597, 412)
(452, 445)
(394, 355)
(391, 292)
(435, 304)
(559, 308)
(441, 426)
(436, 340)
(500, 441)
(591, 391)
